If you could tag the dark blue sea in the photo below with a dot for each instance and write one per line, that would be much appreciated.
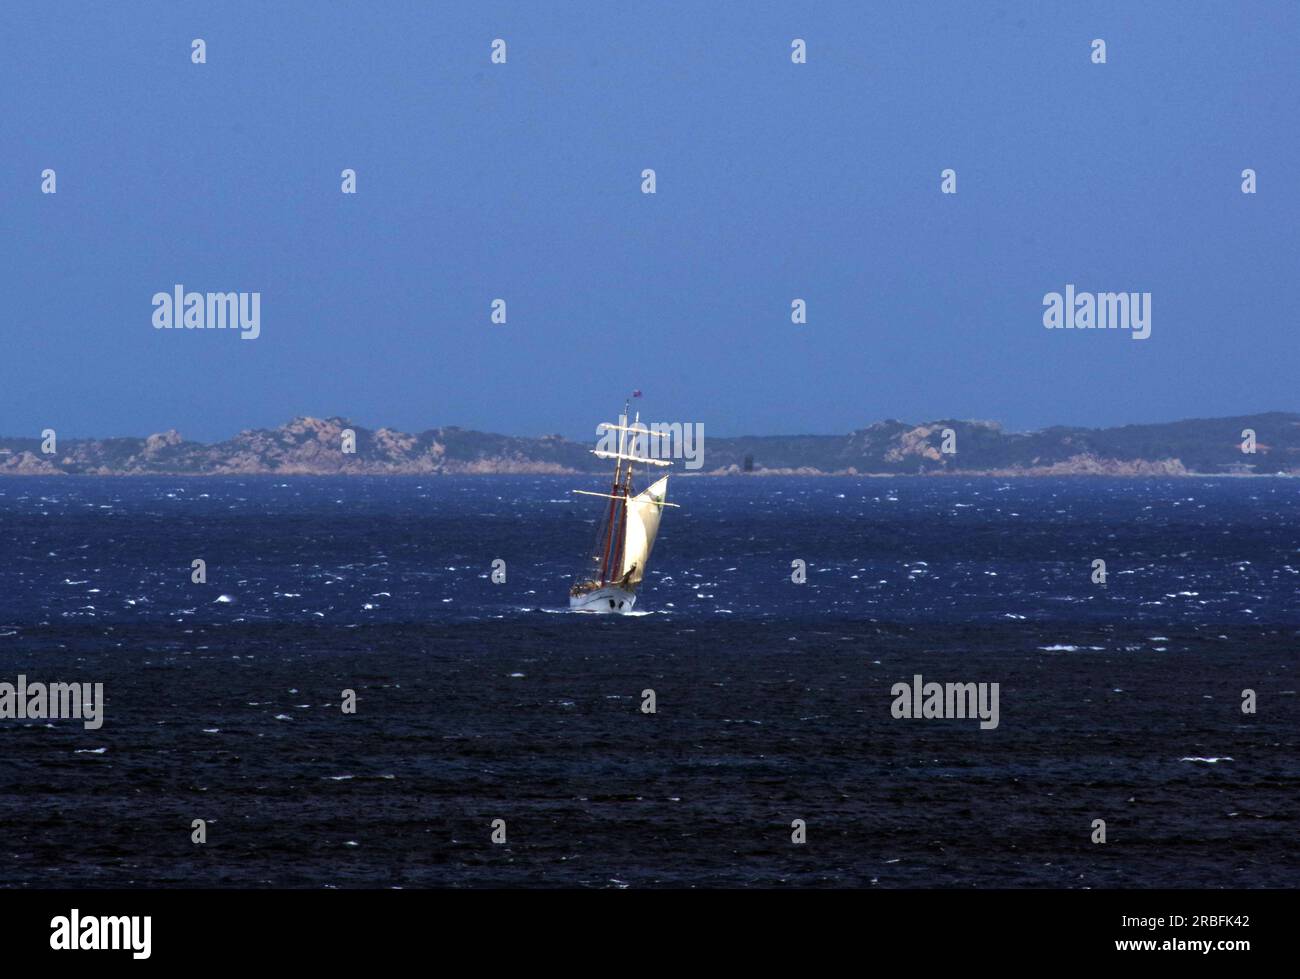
(479, 701)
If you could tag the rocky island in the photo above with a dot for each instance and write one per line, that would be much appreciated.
(315, 446)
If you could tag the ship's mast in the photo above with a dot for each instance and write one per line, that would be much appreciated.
(627, 492)
(614, 494)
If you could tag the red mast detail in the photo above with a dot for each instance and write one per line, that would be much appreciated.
(609, 533)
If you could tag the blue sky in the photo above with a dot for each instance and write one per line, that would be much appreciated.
(522, 181)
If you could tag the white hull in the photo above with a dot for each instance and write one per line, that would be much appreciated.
(610, 600)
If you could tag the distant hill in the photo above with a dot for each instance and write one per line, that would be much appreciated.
(313, 446)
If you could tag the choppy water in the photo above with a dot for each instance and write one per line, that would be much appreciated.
(354, 551)
(480, 701)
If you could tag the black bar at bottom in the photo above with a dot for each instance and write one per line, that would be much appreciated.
(535, 927)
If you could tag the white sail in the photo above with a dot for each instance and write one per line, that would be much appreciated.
(643, 512)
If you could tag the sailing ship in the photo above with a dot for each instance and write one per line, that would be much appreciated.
(609, 578)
